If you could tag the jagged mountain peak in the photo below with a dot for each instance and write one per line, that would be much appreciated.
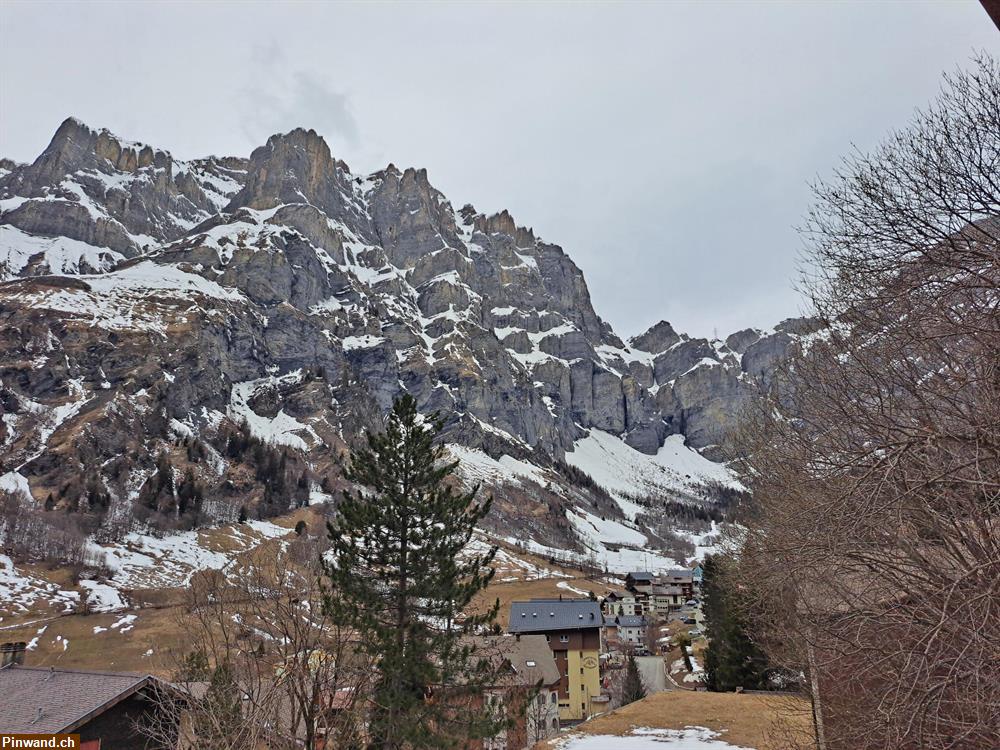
(658, 338)
(503, 223)
(76, 145)
(92, 199)
(740, 341)
(317, 151)
(296, 167)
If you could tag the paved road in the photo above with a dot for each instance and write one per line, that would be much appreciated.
(653, 675)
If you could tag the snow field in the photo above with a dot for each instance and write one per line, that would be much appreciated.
(642, 738)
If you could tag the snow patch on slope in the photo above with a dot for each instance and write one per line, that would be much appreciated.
(15, 483)
(102, 597)
(142, 561)
(475, 466)
(20, 591)
(621, 560)
(282, 428)
(60, 255)
(602, 530)
(624, 471)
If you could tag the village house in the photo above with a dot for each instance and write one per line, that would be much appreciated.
(680, 577)
(104, 708)
(655, 596)
(666, 599)
(572, 629)
(620, 603)
(640, 582)
(528, 664)
(625, 632)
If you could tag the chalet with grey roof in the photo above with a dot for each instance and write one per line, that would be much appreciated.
(102, 707)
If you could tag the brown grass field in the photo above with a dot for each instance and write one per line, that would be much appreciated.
(762, 722)
(158, 629)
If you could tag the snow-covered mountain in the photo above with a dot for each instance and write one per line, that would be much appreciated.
(230, 325)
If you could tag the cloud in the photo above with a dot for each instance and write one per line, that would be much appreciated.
(281, 99)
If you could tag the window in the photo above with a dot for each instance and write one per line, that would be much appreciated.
(564, 639)
(581, 670)
(555, 698)
(555, 723)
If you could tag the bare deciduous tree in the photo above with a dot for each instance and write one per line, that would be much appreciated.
(265, 666)
(871, 555)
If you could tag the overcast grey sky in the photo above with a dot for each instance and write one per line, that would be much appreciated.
(667, 147)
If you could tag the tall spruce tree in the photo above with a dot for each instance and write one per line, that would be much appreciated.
(732, 660)
(395, 578)
(632, 687)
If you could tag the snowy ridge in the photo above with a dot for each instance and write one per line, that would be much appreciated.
(124, 299)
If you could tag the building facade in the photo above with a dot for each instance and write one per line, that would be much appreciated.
(627, 632)
(572, 628)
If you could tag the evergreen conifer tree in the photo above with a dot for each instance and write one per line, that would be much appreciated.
(732, 660)
(219, 717)
(395, 578)
(632, 687)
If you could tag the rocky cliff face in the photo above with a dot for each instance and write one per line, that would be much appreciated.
(150, 300)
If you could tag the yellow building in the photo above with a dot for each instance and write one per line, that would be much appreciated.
(572, 628)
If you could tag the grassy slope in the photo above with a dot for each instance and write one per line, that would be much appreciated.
(764, 722)
(156, 637)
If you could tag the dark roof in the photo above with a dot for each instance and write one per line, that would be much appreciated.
(640, 576)
(541, 615)
(631, 621)
(682, 573)
(40, 700)
(668, 591)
